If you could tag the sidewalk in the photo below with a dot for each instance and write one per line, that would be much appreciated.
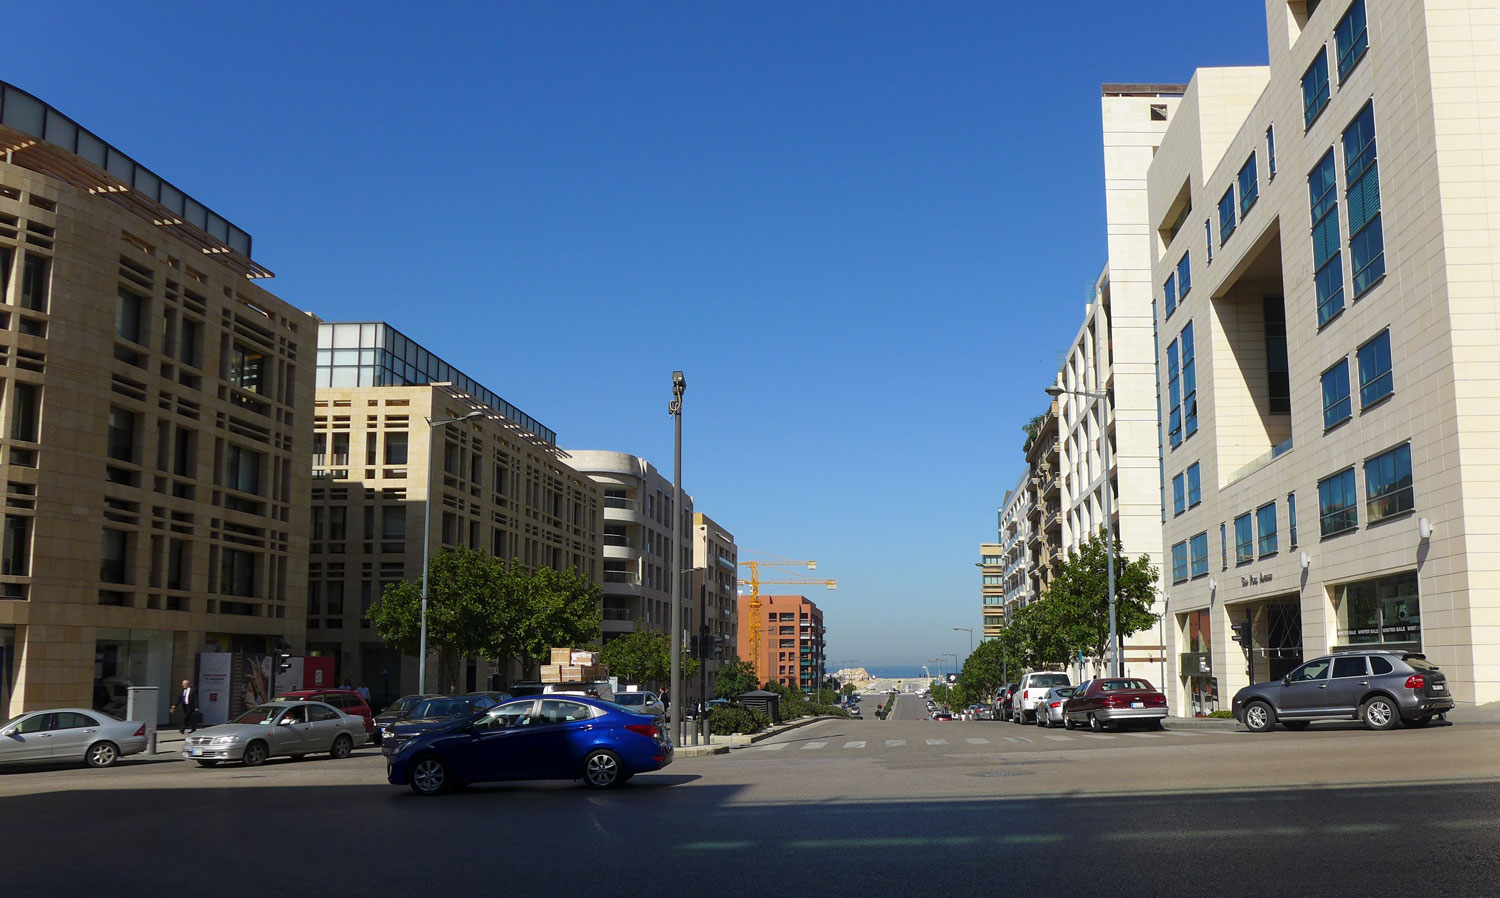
(722, 744)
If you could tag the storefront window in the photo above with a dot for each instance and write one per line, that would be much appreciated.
(7, 669)
(1383, 611)
(1197, 663)
(125, 658)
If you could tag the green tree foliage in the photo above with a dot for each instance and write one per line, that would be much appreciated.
(643, 657)
(556, 608)
(734, 677)
(735, 718)
(985, 670)
(1032, 429)
(1076, 604)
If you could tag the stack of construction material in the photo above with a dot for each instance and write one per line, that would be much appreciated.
(571, 665)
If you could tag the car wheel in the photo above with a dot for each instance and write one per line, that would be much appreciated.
(1096, 724)
(1418, 722)
(1259, 718)
(1380, 713)
(602, 770)
(1067, 722)
(255, 754)
(343, 746)
(429, 776)
(102, 754)
(1041, 719)
(208, 763)
(1296, 725)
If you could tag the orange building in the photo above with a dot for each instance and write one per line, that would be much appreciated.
(791, 640)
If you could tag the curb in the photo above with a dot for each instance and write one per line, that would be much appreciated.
(1201, 723)
(699, 751)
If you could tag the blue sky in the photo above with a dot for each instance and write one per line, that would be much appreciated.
(863, 230)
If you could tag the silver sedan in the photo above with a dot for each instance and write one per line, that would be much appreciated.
(69, 734)
(1049, 709)
(293, 729)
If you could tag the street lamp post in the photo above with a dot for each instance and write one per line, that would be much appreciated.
(970, 631)
(674, 408)
(1100, 397)
(432, 425)
(955, 661)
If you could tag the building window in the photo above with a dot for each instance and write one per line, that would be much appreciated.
(1194, 485)
(189, 352)
(1337, 511)
(112, 553)
(1271, 152)
(128, 309)
(1322, 192)
(1208, 238)
(1223, 548)
(1226, 216)
(1170, 291)
(121, 435)
(236, 573)
(1244, 540)
(247, 369)
(1315, 88)
(242, 470)
(1278, 370)
(396, 449)
(34, 282)
(26, 415)
(1265, 530)
(1179, 495)
(1174, 397)
(1189, 384)
(1198, 550)
(6, 258)
(1388, 490)
(1362, 177)
(1249, 190)
(1180, 562)
(1291, 519)
(15, 555)
(1375, 370)
(393, 523)
(1184, 277)
(1336, 405)
(1381, 611)
(1352, 39)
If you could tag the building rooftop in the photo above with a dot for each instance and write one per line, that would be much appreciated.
(38, 137)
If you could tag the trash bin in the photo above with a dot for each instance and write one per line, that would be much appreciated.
(767, 703)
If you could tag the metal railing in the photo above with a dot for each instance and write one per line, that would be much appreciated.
(1261, 461)
(616, 502)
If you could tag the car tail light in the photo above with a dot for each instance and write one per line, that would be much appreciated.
(1055, 705)
(141, 731)
(648, 730)
(1026, 694)
(1415, 681)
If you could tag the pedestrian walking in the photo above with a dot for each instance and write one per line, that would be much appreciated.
(187, 700)
(364, 692)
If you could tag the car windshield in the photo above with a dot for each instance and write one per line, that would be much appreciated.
(1121, 685)
(1064, 691)
(402, 705)
(260, 714)
(1049, 680)
(444, 707)
(1419, 663)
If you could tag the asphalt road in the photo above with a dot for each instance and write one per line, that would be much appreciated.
(859, 808)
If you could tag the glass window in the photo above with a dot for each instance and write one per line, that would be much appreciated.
(1169, 289)
(1315, 91)
(1352, 38)
(555, 711)
(72, 720)
(1322, 187)
(128, 309)
(27, 399)
(1198, 550)
(1180, 562)
(316, 713)
(1194, 485)
(1189, 383)
(1226, 216)
(242, 470)
(1174, 397)
(236, 572)
(1312, 670)
(1379, 666)
(37, 723)
(1380, 611)
(1184, 277)
(15, 559)
(1291, 519)
(112, 550)
(1249, 190)
(6, 258)
(34, 284)
(1388, 489)
(1208, 239)
(1265, 529)
(192, 339)
(1271, 150)
(1336, 405)
(1224, 547)
(1179, 495)
(247, 369)
(121, 435)
(393, 524)
(1375, 370)
(1337, 510)
(1350, 666)
(1244, 543)
(395, 448)
(1362, 177)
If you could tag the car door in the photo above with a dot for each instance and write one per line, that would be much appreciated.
(1304, 692)
(495, 744)
(324, 725)
(28, 739)
(1348, 683)
(72, 734)
(562, 731)
(292, 733)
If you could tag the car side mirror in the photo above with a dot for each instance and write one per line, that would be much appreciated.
(1286, 680)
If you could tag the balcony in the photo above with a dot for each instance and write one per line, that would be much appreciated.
(621, 552)
(727, 564)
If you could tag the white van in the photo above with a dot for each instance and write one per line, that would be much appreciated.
(1032, 689)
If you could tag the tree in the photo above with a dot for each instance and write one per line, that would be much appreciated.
(1079, 597)
(734, 677)
(643, 657)
(553, 608)
(1032, 429)
(465, 613)
(985, 670)
(1038, 636)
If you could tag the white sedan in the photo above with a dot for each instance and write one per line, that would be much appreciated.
(278, 728)
(69, 734)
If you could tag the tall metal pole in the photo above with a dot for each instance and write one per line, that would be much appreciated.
(679, 386)
(1109, 531)
(426, 549)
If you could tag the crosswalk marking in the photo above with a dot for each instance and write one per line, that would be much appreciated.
(854, 745)
(1057, 738)
(1184, 733)
(1096, 736)
(1017, 739)
(812, 745)
(893, 743)
(1144, 735)
(937, 741)
(977, 741)
(776, 747)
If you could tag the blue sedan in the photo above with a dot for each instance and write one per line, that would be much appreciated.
(533, 738)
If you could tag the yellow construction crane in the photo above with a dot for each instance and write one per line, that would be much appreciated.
(755, 582)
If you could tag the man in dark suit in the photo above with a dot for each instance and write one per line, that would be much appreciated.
(187, 700)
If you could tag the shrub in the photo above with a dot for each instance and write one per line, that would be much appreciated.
(735, 718)
(1221, 715)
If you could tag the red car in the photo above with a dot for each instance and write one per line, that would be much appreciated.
(1108, 702)
(346, 700)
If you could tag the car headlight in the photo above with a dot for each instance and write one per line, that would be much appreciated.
(226, 740)
(403, 745)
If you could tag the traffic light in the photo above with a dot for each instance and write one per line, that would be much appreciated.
(283, 656)
(1241, 632)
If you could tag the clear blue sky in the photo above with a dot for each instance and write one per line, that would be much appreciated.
(864, 230)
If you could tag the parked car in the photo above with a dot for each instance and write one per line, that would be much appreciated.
(69, 734)
(527, 687)
(494, 695)
(1107, 702)
(345, 700)
(1030, 691)
(641, 702)
(691, 713)
(292, 728)
(1380, 687)
(1003, 699)
(399, 709)
(539, 737)
(941, 714)
(434, 711)
(1049, 709)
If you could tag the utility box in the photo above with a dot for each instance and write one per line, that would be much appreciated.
(767, 703)
(142, 704)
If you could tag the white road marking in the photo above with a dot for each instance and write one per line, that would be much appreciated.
(1016, 739)
(1144, 735)
(893, 743)
(977, 741)
(812, 745)
(1056, 738)
(1096, 736)
(777, 747)
(1184, 733)
(937, 741)
(854, 745)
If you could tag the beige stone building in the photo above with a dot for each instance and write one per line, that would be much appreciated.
(991, 588)
(155, 430)
(716, 591)
(1324, 249)
(500, 485)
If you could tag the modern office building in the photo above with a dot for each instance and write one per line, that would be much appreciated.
(991, 589)
(1325, 282)
(637, 548)
(498, 482)
(155, 432)
(791, 642)
(716, 590)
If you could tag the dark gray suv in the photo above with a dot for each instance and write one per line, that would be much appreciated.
(1380, 687)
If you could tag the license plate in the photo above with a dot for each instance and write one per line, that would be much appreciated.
(1437, 687)
(195, 751)
(1137, 704)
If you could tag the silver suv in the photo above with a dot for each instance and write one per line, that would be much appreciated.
(1379, 686)
(1031, 690)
